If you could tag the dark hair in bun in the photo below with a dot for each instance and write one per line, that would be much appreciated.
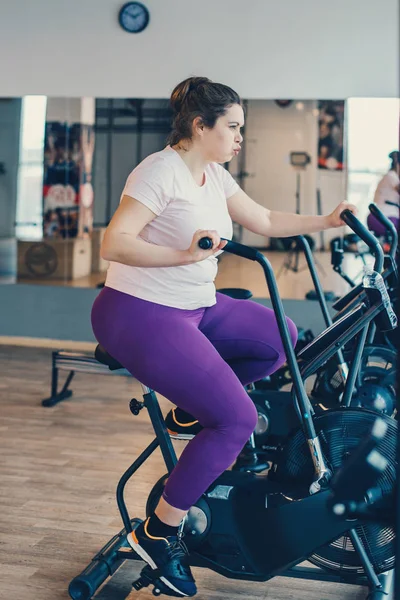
(198, 97)
(394, 157)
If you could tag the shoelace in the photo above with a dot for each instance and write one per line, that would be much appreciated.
(178, 549)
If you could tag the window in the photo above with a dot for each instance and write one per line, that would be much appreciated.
(29, 216)
(372, 133)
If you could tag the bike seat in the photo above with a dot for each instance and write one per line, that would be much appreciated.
(237, 293)
(103, 357)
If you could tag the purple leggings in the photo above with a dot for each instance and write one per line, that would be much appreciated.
(200, 360)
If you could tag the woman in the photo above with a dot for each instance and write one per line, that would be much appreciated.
(159, 314)
(388, 189)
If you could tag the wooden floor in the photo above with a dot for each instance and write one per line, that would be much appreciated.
(58, 471)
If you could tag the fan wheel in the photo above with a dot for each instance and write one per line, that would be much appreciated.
(340, 431)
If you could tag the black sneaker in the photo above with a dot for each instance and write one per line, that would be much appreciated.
(168, 559)
(180, 429)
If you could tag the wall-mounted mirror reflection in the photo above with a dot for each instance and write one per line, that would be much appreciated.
(64, 163)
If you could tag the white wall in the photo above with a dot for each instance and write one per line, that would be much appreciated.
(265, 49)
(71, 110)
(271, 134)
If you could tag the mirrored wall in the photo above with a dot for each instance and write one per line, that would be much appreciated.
(64, 162)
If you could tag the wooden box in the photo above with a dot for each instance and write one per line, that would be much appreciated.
(65, 259)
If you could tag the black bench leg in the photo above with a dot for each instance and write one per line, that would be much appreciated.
(64, 393)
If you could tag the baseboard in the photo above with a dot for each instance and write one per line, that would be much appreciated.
(46, 343)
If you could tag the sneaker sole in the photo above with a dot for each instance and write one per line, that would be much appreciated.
(143, 554)
(180, 436)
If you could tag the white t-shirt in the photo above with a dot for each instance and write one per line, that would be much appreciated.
(387, 189)
(164, 183)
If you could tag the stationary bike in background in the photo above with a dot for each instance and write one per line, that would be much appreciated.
(376, 381)
(253, 527)
(389, 243)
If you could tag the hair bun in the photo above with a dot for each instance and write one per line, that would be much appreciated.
(181, 92)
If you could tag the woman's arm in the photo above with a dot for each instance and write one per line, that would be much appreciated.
(121, 243)
(271, 223)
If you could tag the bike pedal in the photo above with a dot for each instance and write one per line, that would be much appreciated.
(139, 584)
(149, 576)
(145, 579)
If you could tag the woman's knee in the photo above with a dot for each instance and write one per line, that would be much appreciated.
(230, 412)
(294, 334)
(249, 420)
(240, 424)
(279, 346)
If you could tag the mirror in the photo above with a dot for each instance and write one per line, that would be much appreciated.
(64, 162)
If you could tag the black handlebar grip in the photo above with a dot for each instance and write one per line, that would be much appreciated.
(358, 228)
(367, 237)
(231, 247)
(205, 243)
(389, 226)
(374, 210)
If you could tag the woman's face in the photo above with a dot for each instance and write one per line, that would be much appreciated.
(221, 143)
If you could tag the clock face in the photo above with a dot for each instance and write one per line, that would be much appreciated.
(134, 17)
